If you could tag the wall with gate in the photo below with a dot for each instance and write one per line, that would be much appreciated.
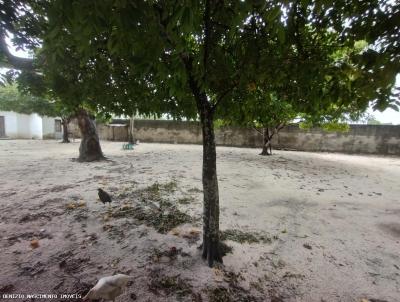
(368, 139)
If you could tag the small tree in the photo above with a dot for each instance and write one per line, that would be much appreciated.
(373, 121)
(262, 111)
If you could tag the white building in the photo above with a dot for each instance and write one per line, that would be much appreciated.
(32, 126)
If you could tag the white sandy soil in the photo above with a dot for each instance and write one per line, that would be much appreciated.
(333, 220)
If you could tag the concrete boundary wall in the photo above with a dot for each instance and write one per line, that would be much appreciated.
(364, 139)
(369, 139)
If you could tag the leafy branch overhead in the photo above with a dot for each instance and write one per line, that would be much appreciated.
(115, 54)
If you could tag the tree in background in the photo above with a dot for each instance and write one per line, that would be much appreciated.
(192, 58)
(13, 100)
(25, 23)
(373, 121)
(261, 111)
(326, 73)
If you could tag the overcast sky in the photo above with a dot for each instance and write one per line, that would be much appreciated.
(387, 116)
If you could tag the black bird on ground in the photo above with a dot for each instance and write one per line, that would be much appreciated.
(104, 196)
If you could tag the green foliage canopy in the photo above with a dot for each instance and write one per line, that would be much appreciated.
(314, 56)
(11, 99)
(134, 56)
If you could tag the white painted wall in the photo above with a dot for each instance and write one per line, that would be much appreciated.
(23, 126)
(35, 126)
(48, 127)
(10, 121)
(29, 126)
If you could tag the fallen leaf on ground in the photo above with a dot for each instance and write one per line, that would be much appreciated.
(71, 206)
(194, 232)
(34, 243)
(175, 232)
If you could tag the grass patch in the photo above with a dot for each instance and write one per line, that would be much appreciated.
(169, 186)
(76, 205)
(169, 285)
(163, 220)
(233, 291)
(157, 191)
(195, 190)
(169, 254)
(219, 294)
(223, 294)
(123, 212)
(186, 200)
(114, 233)
(156, 188)
(154, 207)
(244, 237)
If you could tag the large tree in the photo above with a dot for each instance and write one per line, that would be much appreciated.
(24, 23)
(189, 58)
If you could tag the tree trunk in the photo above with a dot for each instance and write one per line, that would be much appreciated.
(267, 145)
(210, 187)
(211, 244)
(90, 149)
(64, 123)
(131, 130)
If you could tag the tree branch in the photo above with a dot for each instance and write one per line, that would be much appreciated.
(280, 126)
(259, 131)
(207, 37)
(277, 129)
(219, 99)
(187, 60)
(11, 60)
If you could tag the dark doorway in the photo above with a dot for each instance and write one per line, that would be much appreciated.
(57, 125)
(2, 127)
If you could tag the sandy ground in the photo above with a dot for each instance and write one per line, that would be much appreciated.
(332, 222)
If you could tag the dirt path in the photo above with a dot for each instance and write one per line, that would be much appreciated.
(302, 226)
